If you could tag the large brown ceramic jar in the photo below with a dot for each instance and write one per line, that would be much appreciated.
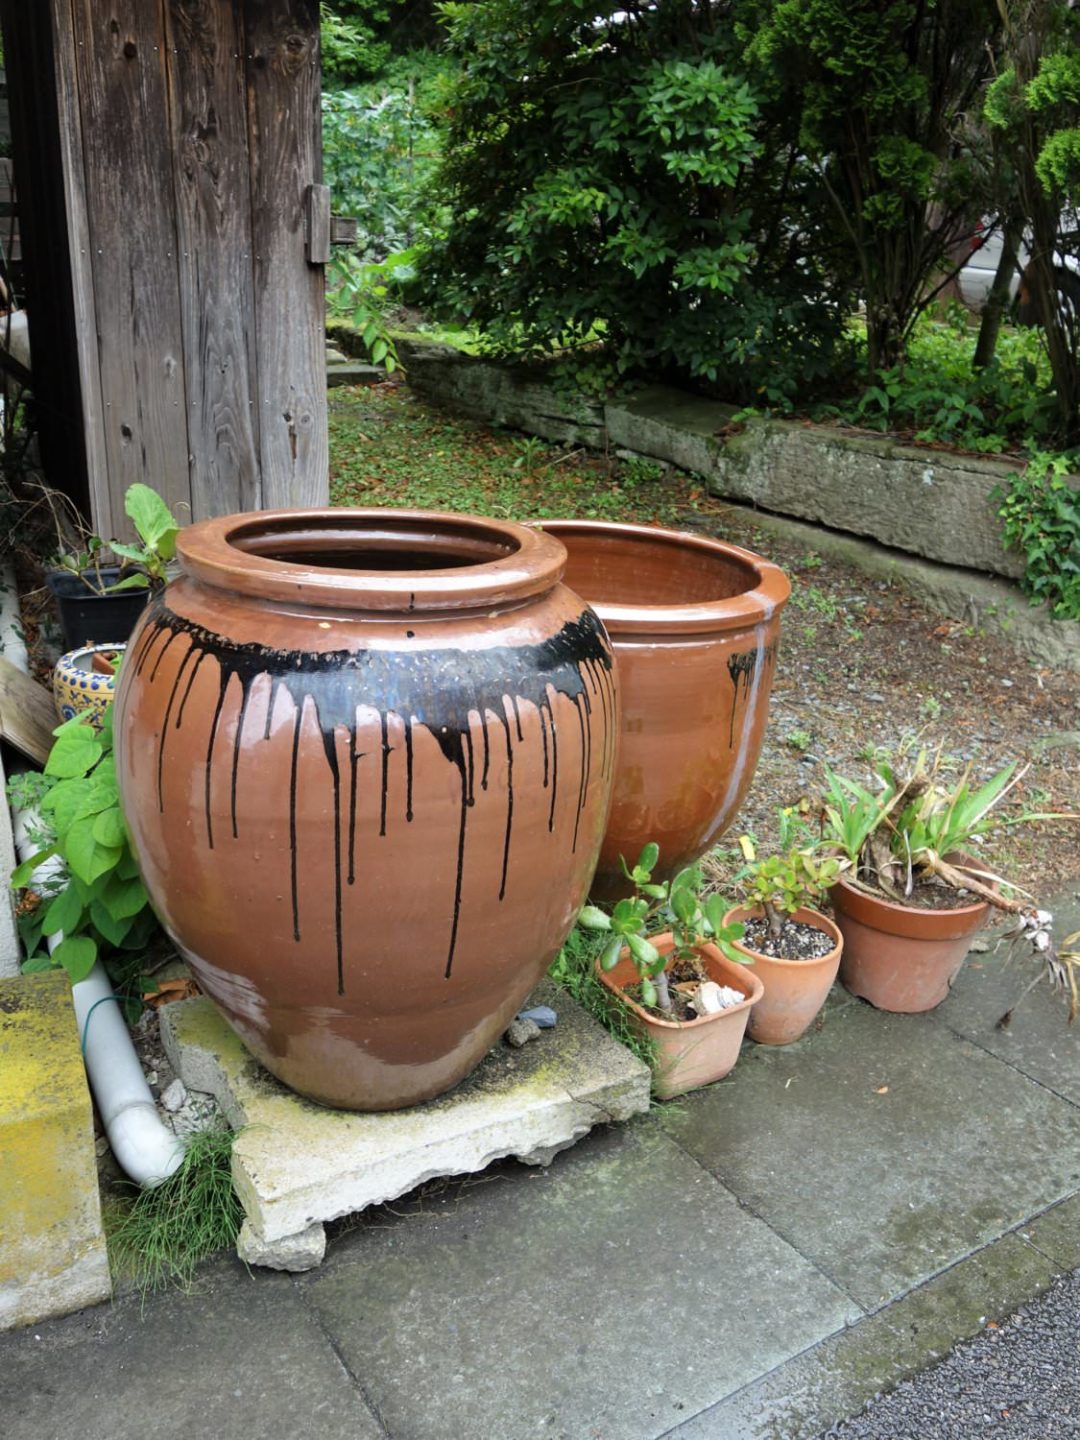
(366, 759)
(695, 624)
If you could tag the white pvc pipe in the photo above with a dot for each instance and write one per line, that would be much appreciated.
(144, 1146)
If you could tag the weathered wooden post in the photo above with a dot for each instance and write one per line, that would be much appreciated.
(179, 146)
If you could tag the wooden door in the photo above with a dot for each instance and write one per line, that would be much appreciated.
(191, 139)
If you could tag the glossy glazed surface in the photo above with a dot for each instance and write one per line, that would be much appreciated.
(695, 624)
(367, 801)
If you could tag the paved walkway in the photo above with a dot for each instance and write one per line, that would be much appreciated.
(752, 1264)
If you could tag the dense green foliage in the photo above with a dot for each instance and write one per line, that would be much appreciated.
(98, 901)
(614, 174)
(1041, 512)
(380, 147)
(884, 93)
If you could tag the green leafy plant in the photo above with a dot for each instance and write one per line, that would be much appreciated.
(97, 900)
(783, 883)
(357, 293)
(678, 905)
(1041, 511)
(142, 565)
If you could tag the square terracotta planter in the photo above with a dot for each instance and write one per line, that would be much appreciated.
(690, 1053)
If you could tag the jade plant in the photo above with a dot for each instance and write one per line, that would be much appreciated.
(677, 905)
(783, 883)
(96, 899)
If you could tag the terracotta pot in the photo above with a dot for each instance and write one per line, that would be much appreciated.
(695, 625)
(795, 990)
(694, 1052)
(900, 957)
(80, 687)
(366, 760)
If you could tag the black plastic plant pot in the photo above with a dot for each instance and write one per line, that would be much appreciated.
(88, 618)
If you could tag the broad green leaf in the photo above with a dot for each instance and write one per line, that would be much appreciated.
(36, 964)
(130, 582)
(22, 874)
(123, 898)
(77, 956)
(649, 856)
(109, 828)
(87, 858)
(150, 515)
(648, 992)
(64, 912)
(75, 753)
(114, 931)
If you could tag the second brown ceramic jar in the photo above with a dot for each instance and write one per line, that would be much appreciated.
(695, 624)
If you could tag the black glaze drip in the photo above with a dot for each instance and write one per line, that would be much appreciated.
(741, 666)
(445, 691)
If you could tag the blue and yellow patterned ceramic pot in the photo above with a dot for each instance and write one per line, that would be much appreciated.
(79, 688)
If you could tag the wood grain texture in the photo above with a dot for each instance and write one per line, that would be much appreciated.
(284, 141)
(208, 118)
(132, 229)
(317, 248)
(27, 713)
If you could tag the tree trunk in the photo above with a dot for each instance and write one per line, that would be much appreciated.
(998, 299)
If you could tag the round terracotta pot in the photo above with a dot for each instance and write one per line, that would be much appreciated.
(695, 625)
(688, 1053)
(366, 760)
(900, 957)
(795, 990)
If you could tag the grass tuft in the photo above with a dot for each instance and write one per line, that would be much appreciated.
(158, 1237)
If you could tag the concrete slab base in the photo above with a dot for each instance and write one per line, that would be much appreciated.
(297, 1164)
(52, 1246)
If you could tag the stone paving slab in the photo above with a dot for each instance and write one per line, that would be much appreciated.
(1038, 1042)
(1057, 1234)
(297, 1164)
(238, 1359)
(610, 1296)
(885, 1147)
(838, 1377)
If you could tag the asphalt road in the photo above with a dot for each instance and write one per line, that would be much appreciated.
(1020, 1381)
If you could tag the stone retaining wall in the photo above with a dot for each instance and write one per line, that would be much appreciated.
(930, 503)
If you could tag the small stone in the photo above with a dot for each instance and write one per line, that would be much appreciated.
(174, 1097)
(521, 1032)
(302, 1251)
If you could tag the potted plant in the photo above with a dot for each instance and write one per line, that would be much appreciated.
(911, 897)
(102, 586)
(795, 949)
(685, 988)
(84, 681)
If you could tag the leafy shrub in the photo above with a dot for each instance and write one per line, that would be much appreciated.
(380, 148)
(99, 902)
(1041, 512)
(615, 178)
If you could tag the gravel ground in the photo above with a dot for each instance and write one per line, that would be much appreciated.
(1020, 1380)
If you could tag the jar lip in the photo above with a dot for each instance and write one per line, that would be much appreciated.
(224, 553)
(759, 603)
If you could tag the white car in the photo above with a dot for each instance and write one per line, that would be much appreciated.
(977, 275)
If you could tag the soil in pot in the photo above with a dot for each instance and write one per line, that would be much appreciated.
(904, 958)
(797, 971)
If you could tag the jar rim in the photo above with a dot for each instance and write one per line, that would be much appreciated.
(764, 598)
(492, 562)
